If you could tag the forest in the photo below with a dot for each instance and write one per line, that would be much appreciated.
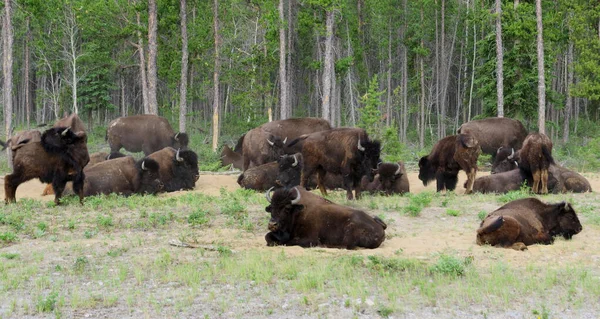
(408, 71)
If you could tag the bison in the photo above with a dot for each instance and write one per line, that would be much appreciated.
(98, 157)
(535, 157)
(562, 180)
(73, 122)
(147, 133)
(499, 183)
(22, 138)
(178, 168)
(390, 178)
(290, 169)
(230, 157)
(528, 221)
(299, 217)
(59, 152)
(495, 132)
(448, 156)
(505, 160)
(260, 145)
(259, 178)
(345, 151)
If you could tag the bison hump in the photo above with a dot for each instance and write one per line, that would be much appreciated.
(490, 224)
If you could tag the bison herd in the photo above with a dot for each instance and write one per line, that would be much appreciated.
(287, 158)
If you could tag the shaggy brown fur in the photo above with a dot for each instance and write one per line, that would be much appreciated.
(259, 178)
(495, 132)
(390, 178)
(72, 121)
(122, 176)
(299, 217)
(146, 133)
(499, 183)
(289, 174)
(528, 221)
(535, 158)
(229, 157)
(22, 138)
(505, 160)
(567, 181)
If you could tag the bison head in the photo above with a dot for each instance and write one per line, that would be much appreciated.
(149, 177)
(180, 140)
(290, 168)
(389, 173)
(506, 160)
(185, 168)
(568, 223)
(276, 146)
(284, 208)
(426, 170)
(369, 152)
(58, 139)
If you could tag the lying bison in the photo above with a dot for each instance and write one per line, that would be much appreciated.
(59, 153)
(146, 133)
(535, 158)
(261, 145)
(499, 183)
(299, 217)
(505, 160)
(178, 168)
(259, 178)
(290, 170)
(528, 221)
(566, 181)
(390, 178)
(448, 156)
(345, 151)
(495, 132)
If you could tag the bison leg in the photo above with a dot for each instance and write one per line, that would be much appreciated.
(470, 180)
(11, 182)
(348, 183)
(58, 184)
(519, 246)
(544, 178)
(78, 185)
(537, 176)
(440, 181)
(320, 181)
(48, 190)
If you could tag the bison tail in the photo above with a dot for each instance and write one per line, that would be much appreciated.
(380, 222)
(547, 154)
(294, 142)
(240, 178)
(490, 224)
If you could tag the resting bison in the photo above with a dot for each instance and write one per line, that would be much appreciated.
(499, 183)
(566, 181)
(345, 151)
(146, 133)
(495, 132)
(535, 158)
(290, 169)
(390, 178)
(259, 178)
(229, 157)
(59, 152)
(505, 160)
(528, 221)
(299, 217)
(260, 145)
(122, 176)
(448, 156)
(178, 168)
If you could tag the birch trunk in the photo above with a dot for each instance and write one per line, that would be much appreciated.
(152, 54)
(569, 103)
(184, 67)
(283, 79)
(328, 68)
(216, 102)
(499, 60)
(541, 77)
(7, 69)
(142, 58)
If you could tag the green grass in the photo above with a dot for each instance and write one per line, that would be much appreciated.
(417, 202)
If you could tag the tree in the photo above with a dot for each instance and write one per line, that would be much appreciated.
(285, 107)
(329, 70)
(217, 70)
(499, 60)
(184, 67)
(7, 69)
(152, 54)
(540, 64)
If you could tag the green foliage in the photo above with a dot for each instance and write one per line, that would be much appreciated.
(81, 263)
(450, 265)
(523, 192)
(8, 237)
(482, 215)
(48, 303)
(417, 202)
(198, 217)
(370, 116)
(453, 212)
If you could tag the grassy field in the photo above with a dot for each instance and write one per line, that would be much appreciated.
(111, 258)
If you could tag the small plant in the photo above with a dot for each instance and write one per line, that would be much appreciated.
(453, 212)
(11, 255)
(385, 311)
(198, 217)
(80, 264)
(481, 215)
(48, 303)
(417, 203)
(105, 221)
(71, 225)
(224, 251)
(450, 265)
(8, 237)
(89, 233)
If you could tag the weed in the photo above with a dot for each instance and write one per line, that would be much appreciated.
(523, 192)
(224, 251)
(385, 311)
(481, 215)
(8, 237)
(453, 212)
(71, 225)
(89, 233)
(48, 303)
(450, 265)
(198, 217)
(80, 264)
(417, 203)
(105, 221)
(11, 256)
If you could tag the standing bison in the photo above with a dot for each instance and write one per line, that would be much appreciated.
(178, 168)
(390, 178)
(448, 156)
(345, 151)
(145, 133)
(301, 218)
(261, 145)
(22, 138)
(495, 132)
(59, 156)
(535, 158)
(528, 221)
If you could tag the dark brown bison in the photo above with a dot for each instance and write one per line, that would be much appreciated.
(563, 180)
(535, 157)
(299, 217)
(390, 178)
(59, 156)
(290, 170)
(146, 133)
(178, 168)
(98, 157)
(261, 145)
(505, 160)
(495, 132)
(122, 176)
(448, 156)
(73, 122)
(259, 178)
(229, 157)
(528, 221)
(345, 151)
(500, 183)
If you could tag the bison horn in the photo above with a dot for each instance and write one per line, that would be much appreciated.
(65, 131)
(179, 159)
(108, 157)
(297, 199)
(360, 147)
(270, 143)
(513, 153)
(176, 136)
(268, 194)
(398, 170)
(143, 166)
(285, 140)
(295, 161)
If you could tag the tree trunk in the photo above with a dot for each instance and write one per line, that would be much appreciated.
(499, 60)
(570, 76)
(26, 79)
(143, 75)
(541, 77)
(422, 76)
(184, 67)
(404, 84)
(283, 79)
(328, 72)
(216, 102)
(291, 92)
(7, 69)
(152, 54)
(388, 106)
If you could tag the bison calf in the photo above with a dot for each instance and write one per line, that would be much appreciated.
(535, 158)
(301, 218)
(528, 221)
